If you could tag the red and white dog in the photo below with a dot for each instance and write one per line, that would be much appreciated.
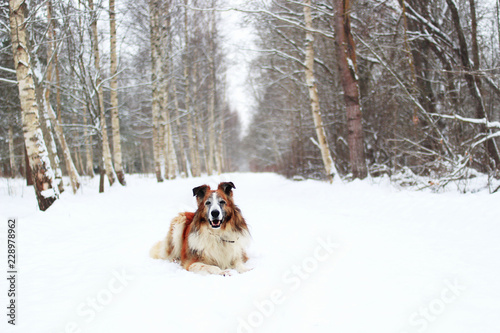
(212, 239)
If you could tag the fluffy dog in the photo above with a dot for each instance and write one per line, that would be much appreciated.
(212, 240)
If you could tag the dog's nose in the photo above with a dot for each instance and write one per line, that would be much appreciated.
(215, 214)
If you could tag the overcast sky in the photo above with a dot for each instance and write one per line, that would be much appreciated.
(238, 43)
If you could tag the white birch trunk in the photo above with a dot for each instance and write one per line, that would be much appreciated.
(45, 124)
(219, 157)
(155, 105)
(46, 128)
(313, 95)
(211, 105)
(115, 121)
(106, 152)
(183, 168)
(168, 142)
(161, 137)
(172, 166)
(211, 128)
(79, 160)
(41, 170)
(12, 156)
(192, 123)
(74, 177)
(194, 160)
(194, 167)
(68, 161)
(89, 159)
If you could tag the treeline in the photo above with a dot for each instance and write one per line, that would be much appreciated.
(343, 88)
(131, 87)
(426, 73)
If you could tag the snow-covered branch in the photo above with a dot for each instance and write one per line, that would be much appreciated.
(486, 138)
(414, 15)
(8, 81)
(8, 70)
(488, 124)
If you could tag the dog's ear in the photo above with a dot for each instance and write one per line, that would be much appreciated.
(227, 187)
(200, 191)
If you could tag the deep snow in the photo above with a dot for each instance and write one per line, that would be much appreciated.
(348, 257)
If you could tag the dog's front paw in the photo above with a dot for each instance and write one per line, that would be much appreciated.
(226, 272)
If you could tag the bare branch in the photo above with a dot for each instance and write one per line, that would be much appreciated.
(268, 13)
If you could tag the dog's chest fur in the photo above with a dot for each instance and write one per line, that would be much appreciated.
(220, 247)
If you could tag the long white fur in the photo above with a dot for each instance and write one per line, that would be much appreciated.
(177, 230)
(218, 248)
(159, 250)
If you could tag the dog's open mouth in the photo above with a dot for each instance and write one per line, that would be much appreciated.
(215, 223)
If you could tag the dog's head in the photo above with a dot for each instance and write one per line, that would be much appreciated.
(215, 205)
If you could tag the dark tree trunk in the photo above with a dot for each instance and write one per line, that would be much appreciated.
(472, 81)
(346, 58)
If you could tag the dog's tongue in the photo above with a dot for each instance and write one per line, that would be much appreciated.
(216, 223)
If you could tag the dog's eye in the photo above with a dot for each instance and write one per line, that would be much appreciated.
(208, 203)
(222, 202)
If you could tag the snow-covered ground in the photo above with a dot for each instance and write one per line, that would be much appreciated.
(348, 257)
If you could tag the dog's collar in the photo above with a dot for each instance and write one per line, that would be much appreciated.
(222, 239)
(225, 240)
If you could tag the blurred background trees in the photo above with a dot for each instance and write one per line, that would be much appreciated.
(426, 76)
(89, 83)
(425, 73)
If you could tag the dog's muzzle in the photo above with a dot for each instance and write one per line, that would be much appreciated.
(215, 223)
(215, 219)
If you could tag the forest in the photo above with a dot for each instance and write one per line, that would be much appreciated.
(408, 89)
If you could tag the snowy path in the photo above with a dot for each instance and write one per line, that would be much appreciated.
(344, 258)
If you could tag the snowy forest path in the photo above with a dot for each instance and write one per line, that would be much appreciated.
(349, 257)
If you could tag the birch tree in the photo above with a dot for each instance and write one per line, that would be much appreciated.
(314, 97)
(56, 121)
(166, 128)
(41, 170)
(115, 121)
(183, 167)
(211, 106)
(106, 153)
(192, 87)
(187, 102)
(45, 124)
(155, 70)
(292, 143)
(193, 124)
(39, 81)
(68, 160)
